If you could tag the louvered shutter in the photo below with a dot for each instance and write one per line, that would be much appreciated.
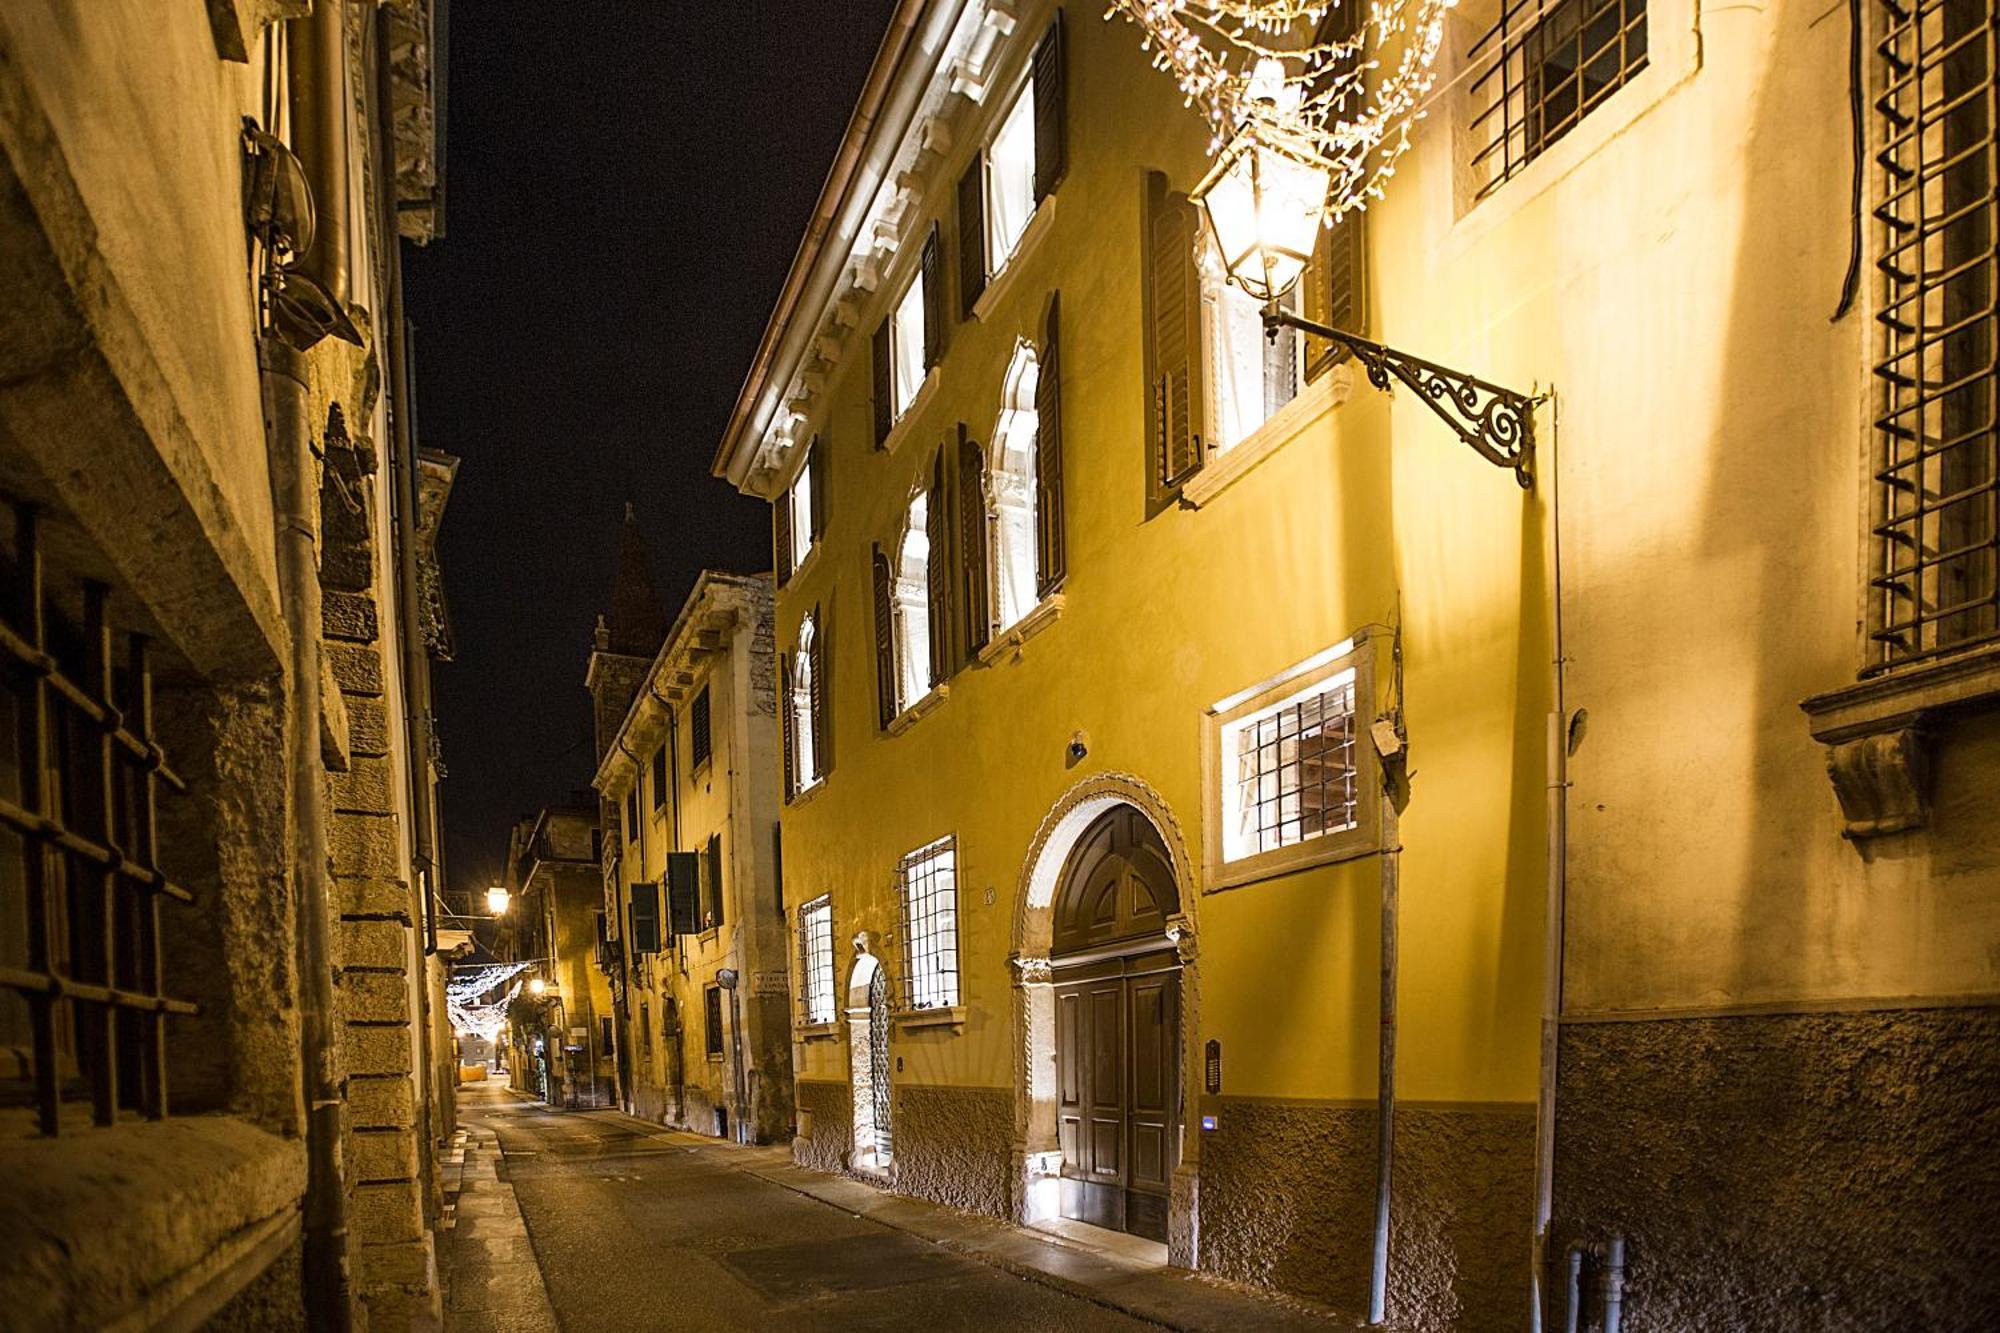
(715, 913)
(822, 726)
(788, 733)
(972, 234)
(1051, 110)
(885, 641)
(933, 298)
(885, 371)
(1050, 563)
(781, 535)
(937, 570)
(816, 468)
(972, 543)
(1331, 291)
(1173, 310)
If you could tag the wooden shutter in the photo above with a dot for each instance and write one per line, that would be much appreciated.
(1050, 564)
(933, 297)
(972, 234)
(788, 725)
(715, 912)
(684, 893)
(885, 379)
(1051, 110)
(822, 727)
(972, 543)
(1173, 315)
(1332, 287)
(937, 570)
(645, 918)
(781, 535)
(885, 641)
(816, 468)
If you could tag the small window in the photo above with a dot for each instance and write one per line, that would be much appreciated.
(1013, 486)
(1249, 376)
(913, 604)
(659, 777)
(802, 701)
(1291, 775)
(816, 960)
(699, 739)
(928, 878)
(632, 812)
(711, 1000)
(604, 1036)
(1545, 66)
(906, 347)
(799, 504)
(1010, 179)
(712, 888)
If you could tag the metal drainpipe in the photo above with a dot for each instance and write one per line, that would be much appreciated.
(317, 47)
(289, 440)
(1554, 908)
(1385, 1130)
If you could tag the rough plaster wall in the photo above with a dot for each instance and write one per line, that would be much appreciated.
(1288, 1201)
(1824, 1172)
(955, 1146)
(831, 1109)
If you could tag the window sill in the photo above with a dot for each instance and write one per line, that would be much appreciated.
(715, 1057)
(1007, 643)
(1230, 466)
(952, 1016)
(804, 1032)
(1001, 282)
(805, 794)
(799, 569)
(906, 719)
(1877, 733)
(905, 423)
(1330, 849)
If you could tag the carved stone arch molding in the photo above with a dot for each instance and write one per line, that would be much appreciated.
(1037, 1157)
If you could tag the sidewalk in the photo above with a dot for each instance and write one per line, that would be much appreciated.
(493, 1283)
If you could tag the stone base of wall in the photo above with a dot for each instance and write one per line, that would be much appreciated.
(955, 1146)
(826, 1125)
(1287, 1200)
(1788, 1172)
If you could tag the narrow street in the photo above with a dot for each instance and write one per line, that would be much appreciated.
(632, 1226)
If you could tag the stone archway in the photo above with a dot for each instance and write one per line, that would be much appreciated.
(868, 1060)
(1037, 1154)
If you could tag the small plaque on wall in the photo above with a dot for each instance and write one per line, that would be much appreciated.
(1212, 1066)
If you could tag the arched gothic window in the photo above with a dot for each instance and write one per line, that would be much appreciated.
(1011, 490)
(912, 604)
(804, 687)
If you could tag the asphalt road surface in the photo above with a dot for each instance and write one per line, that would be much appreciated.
(634, 1231)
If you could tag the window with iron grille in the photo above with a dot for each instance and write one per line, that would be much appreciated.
(712, 1020)
(1543, 67)
(83, 1003)
(1935, 522)
(699, 741)
(928, 878)
(816, 960)
(1290, 770)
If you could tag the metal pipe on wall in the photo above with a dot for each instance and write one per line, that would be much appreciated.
(1385, 1116)
(1556, 856)
(317, 51)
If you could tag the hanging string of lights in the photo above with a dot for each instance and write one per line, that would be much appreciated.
(465, 1002)
(1270, 71)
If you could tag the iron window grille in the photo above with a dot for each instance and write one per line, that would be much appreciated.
(699, 739)
(80, 958)
(711, 1000)
(1546, 67)
(816, 960)
(1935, 515)
(928, 879)
(1293, 770)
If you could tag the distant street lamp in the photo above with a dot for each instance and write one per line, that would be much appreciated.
(536, 985)
(497, 899)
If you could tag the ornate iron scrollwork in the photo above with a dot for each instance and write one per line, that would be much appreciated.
(1499, 423)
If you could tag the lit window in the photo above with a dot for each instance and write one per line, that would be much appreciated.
(906, 347)
(913, 607)
(1010, 180)
(800, 501)
(804, 723)
(1288, 770)
(929, 881)
(816, 960)
(1250, 376)
(1013, 491)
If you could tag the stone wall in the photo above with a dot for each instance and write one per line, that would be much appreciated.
(1783, 1173)
(1287, 1200)
(955, 1146)
(826, 1125)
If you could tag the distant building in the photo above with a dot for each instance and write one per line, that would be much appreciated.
(691, 775)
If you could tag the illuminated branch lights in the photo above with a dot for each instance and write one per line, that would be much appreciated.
(463, 1003)
(1253, 68)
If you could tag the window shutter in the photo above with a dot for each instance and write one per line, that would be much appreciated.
(1050, 564)
(972, 542)
(645, 918)
(789, 723)
(714, 881)
(933, 298)
(821, 726)
(781, 535)
(972, 234)
(885, 407)
(1331, 290)
(816, 466)
(885, 642)
(1051, 100)
(684, 893)
(937, 570)
(1173, 312)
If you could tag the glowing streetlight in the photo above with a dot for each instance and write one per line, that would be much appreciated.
(1265, 197)
(537, 985)
(497, 899)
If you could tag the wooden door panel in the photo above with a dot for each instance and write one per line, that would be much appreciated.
(1152, 1048)
(1070, 1063)
(1107, 1149)
(1149, 1156)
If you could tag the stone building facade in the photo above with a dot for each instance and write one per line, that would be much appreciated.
(690, 882)
(219, 1053)
(1146, 662)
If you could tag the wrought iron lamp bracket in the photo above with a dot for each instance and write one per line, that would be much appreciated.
(1498, 423)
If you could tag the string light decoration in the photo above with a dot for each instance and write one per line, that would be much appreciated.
(1268, 72)
(464, 998)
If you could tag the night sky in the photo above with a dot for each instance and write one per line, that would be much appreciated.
(626, 184)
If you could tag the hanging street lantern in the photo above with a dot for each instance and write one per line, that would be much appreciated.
(1266, 196)
(497, 899)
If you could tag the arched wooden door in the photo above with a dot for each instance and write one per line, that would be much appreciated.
(1117, 1000)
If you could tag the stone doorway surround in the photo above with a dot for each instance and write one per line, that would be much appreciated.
(873, 1147)
(1037, 1157)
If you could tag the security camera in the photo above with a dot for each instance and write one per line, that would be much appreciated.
(1079, 746)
